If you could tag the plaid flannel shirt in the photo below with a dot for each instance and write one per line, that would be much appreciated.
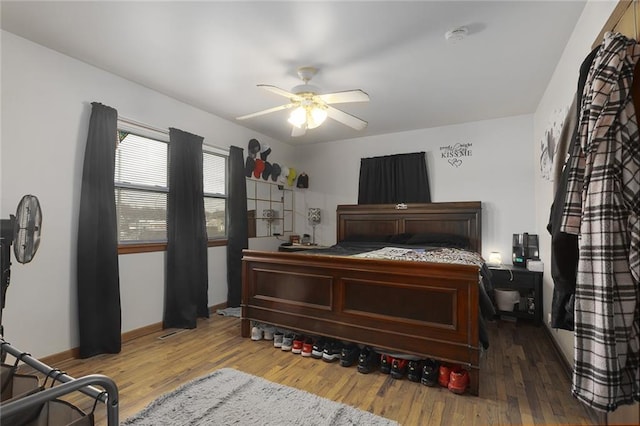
(602, 206)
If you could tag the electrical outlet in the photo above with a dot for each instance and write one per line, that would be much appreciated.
(549, 318)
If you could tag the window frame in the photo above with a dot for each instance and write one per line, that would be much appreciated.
(163, 137)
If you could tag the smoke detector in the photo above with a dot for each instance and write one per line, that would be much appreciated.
(456, 34)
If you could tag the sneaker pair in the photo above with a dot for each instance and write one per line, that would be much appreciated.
(458, 380)
(454, 378)
(262, 331)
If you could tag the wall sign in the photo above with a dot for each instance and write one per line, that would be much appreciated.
(455, 154)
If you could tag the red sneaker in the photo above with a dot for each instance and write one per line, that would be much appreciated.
(444, 375)
(307, 347)
(298, 341)
(459, 380)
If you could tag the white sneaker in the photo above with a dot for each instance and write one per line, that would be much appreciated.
(287, 342)
(268, 333)
(256, 333)
(277, 339)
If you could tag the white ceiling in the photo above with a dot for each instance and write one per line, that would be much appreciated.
(212, 54)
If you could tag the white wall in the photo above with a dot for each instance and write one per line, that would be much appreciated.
(558, 96)
(46, 100)
(498, 172)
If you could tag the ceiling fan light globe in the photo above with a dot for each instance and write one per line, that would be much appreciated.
(316, 117)
(298, 117)
(319, 115)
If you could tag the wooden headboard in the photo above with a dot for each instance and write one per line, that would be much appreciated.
(458, 218)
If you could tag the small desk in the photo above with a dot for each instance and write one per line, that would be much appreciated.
(528, 283)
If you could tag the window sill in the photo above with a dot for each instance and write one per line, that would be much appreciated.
(152, 247)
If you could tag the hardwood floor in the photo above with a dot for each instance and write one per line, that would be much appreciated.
(522, 381)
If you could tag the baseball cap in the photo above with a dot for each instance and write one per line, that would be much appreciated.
(292, 176)
(275, 171)
(259, 168)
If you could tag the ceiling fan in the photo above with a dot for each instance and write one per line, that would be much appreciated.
(310, 108)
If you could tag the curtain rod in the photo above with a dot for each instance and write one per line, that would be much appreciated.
(144, 126)
(159, 130)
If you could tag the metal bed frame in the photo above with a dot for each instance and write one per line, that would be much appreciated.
(69, 384)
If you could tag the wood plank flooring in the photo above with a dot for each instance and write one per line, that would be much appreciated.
(522, 382)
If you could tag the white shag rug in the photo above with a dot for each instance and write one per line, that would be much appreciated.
(231, 397)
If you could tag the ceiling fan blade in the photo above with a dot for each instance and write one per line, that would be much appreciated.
(266, 111)
(298, 131)
(344, 97)
(281, 92)
(345, 118)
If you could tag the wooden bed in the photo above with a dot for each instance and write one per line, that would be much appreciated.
(419, 308)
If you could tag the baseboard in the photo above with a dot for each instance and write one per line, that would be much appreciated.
(597, 417)
(74, 353)
(140, 332)
(213, 309)
(566, 366)
(60, 356)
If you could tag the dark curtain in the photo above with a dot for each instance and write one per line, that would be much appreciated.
(237, 225)
(99, 319)
(186, 285)
(392, 179)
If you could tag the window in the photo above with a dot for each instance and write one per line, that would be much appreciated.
(215, 193)
(141, 186)
(141, 189)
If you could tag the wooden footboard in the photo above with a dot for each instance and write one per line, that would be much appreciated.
(424, 309)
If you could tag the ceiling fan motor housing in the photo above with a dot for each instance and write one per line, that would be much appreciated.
(306, 89)
(307, 73)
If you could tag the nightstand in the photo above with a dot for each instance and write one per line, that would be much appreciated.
(527, 283)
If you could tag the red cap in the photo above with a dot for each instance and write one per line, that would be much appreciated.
(259, 168)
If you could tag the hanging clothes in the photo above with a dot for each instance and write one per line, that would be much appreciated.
(602, 206)
(564, 246)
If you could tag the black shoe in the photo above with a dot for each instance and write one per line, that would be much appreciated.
(318, 348)
(414, 371)
(349, 355)
(332, 351)
(367, 360)
(385, 363)
(430, 371)
(399, 368)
